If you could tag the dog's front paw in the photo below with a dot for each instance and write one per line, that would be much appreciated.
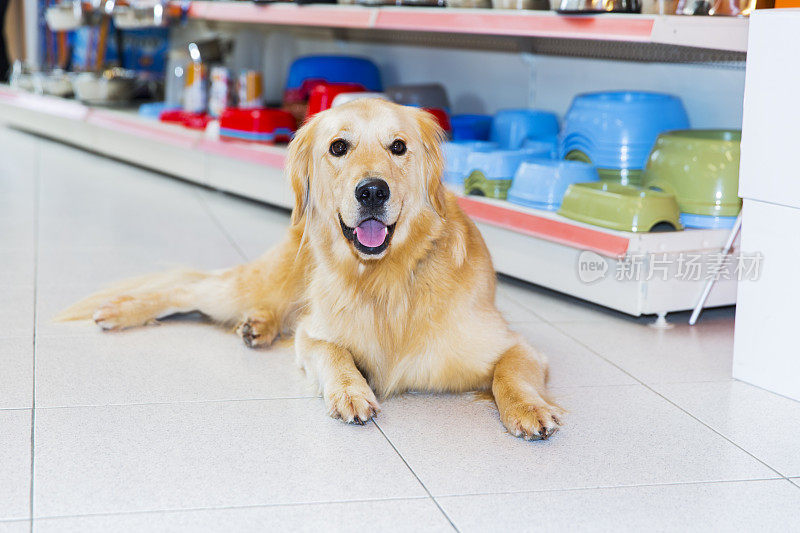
(532, 420)
(354, 404)
(122, 312)
(258, 330)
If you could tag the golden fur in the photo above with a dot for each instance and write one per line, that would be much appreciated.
(418, 316)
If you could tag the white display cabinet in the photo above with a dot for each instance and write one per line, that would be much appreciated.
(765, 349)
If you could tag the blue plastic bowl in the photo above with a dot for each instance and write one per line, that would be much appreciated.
(154, 109)
(511, 127)
(470, 127)
(497, 164)
(690, 220)
(546, 147)
(541, 183)
(456, 157)
(335, 69)
(618, 129)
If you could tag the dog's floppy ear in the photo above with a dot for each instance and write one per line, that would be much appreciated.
(432, 135)
(298, 168)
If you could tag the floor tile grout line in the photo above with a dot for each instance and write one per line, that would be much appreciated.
(657, 393)
(428, 492)
(612, 487)
(177, 402)
(36, 204)
(218, 223)
(223, 508)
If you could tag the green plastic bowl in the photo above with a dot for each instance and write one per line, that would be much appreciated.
(621, 207)
(477, 184)
(700, 167)
(625, 176)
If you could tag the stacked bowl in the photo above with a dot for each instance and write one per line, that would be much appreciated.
(456, 159)
(541, 183)
(701, 168)
(512, 127)
(615, 131)
(491, 172)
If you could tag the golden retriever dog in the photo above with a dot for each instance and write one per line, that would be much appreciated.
(384, 282)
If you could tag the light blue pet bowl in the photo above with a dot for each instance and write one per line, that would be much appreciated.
(542, 183)
(511, 127)
(617, 130)
(546, 147)
(497, 164)
(456, 156)
(690, 220)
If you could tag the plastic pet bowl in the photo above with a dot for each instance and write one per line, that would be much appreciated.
(616, 130)
(707, 222)
(511, 127)
(620, 207)
(477, 184)
(305, 72)
(322, 95)
(456, 159)
(544, 147)
(542, 183)
(257, 125)
(623, 176)
(154, 109)
(420, 95)
(700, 167)
(195, 121)
(492, 171)
(471, 127)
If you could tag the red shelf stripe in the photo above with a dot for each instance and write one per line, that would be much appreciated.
(545, 228)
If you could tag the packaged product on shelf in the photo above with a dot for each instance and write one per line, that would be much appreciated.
(195, 97)
(251, 89)
(219, 93)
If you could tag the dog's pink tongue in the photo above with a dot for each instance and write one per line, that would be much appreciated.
(371, 233)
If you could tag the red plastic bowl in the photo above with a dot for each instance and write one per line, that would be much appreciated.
(322, 95)
(259, 125)
(195, 121)
(173, 116)
(441, 117)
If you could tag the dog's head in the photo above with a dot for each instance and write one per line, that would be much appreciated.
(367, 176)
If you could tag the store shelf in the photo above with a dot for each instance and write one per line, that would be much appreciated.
(717, 33)
(538, 246)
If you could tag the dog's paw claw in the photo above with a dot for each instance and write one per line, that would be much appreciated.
(257, 332)
(122, 312)
(533, 421)
(352, 405)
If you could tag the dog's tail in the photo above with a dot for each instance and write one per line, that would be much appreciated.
(84, 309)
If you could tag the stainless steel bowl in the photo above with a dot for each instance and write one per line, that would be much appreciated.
(65, 16)
(140, 15)
(599, 6)
(57, 83)
(113, 87)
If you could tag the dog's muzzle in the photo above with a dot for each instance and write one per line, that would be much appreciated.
(370, 237)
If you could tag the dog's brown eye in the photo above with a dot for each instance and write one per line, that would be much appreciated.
(398, 147)
(338, 148)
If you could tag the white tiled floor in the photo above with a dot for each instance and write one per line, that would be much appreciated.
(181, 428)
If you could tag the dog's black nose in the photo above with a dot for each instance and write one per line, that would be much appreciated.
(372, 192)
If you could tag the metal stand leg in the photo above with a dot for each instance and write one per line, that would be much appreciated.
(725, 251)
